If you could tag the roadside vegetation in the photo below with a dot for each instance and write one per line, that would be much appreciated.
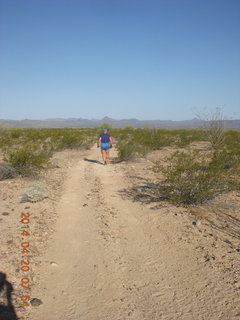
(186, 177)
(27, 151)
(137, 142)
(193, 177)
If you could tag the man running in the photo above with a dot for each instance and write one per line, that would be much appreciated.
(105, 141)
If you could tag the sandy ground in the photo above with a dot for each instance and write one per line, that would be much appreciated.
(100, 252)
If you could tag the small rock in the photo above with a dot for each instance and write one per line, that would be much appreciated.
(37, 191)
(57, 162)
(54, 264)
(207, 258)
(5, 214)
(196, 223)
(35, 302)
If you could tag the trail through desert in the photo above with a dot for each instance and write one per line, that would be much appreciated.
(112, 258)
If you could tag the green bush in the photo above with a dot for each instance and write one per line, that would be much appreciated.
(149, 139)
(128, 150)
(27, 160)
(232, 140)
(16, 133)
(183, 137)
(6, 140)
(190, 178)
(228, 162)
(70, 141)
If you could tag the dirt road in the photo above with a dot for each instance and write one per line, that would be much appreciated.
(114, 259)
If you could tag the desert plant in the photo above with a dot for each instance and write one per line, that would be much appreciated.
(184, 137)
(214, 127)
(232, 140)
(16, 133)
(7, 171)
(73, 139)
(26, 161)
(228, 162)
(155, 139)
(128, 150)
(190, 178)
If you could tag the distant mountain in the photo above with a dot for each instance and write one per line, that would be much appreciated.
(86, 123)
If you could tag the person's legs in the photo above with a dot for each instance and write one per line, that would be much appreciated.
(107, 155)
(103, 155)
(105, 152)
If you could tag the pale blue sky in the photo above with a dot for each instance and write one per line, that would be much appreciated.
(148, 59)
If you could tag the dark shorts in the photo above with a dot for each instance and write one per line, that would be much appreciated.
(105, 146)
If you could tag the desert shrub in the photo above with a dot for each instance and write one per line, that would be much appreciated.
(137, 142)
(26, 161)
(39, 134)
(215, 135)
(7, 171)
(214, 128)
(232, 139)
(128, 150)
(156, 139)
(75, 139)
(16, 133)
(228, 162)
(190, 178)
(184, 137)
(150, 139)
(226, 159)
(47, 140)
(5, 139)
(71, 141)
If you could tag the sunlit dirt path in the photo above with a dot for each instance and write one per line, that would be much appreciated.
(108, 260)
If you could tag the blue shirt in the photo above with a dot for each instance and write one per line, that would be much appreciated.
(105, 137)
